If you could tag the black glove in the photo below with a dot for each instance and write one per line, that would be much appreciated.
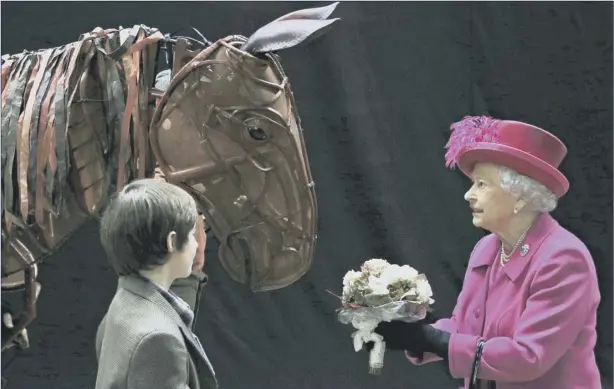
(415, 338)
(398, 335)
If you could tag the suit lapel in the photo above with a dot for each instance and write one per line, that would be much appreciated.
(485, 253)
(196, 347)
(206, 376)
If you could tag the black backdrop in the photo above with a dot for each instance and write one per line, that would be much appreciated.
(376, 95)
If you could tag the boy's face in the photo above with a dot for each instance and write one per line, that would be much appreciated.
(183, 260)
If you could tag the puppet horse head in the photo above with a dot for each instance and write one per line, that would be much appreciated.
(228, 130)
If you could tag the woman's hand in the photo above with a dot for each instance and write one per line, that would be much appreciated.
(400, 335)
(415, 338)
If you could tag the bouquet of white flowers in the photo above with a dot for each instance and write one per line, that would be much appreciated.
(381, 291)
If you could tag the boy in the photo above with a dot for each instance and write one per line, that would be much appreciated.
(145, 341)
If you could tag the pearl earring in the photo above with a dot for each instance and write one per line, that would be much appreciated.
(515, 210)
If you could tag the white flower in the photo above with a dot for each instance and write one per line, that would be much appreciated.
(375, 266)
(350, 277)
(378, 286)
(395, 273)
(351, 281)
(424, 291)
(407, 272)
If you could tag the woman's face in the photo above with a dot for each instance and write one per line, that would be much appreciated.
(492, 206)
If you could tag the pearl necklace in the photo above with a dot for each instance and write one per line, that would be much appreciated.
(503, 257)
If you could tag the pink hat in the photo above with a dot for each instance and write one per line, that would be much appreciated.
(527, 149)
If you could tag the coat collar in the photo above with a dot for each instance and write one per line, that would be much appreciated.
(149, 292)
(488, 252)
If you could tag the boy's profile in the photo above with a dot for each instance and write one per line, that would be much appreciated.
(145, 340)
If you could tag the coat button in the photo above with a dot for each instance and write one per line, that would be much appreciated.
(477, 313)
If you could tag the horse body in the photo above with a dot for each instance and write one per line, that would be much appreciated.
(82, 120)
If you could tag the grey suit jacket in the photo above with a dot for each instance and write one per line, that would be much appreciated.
(142, 343)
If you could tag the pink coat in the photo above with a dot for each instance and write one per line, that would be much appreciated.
(540, 324)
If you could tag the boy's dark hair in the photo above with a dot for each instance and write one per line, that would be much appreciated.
(137, 221)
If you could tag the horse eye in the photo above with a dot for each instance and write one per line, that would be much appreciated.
(257, 133)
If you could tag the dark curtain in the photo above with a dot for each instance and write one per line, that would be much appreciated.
(377, 96)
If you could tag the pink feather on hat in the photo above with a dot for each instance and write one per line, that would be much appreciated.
(467, 134)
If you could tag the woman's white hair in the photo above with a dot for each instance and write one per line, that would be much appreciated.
(535, 194)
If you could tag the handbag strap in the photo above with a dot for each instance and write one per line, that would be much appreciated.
(473, 378)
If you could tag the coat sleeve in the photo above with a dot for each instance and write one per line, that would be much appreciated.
(159, 361)
(447, 324)
(555, 312)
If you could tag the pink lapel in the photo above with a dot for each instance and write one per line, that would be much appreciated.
(544, 225)
(485, 254)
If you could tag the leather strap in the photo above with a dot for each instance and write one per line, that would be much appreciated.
(62, 120)
(115, 112)
(10, 113)
(8, 68)
(23, 142)
(145, 39)
(8, 91)
(39, 119)
(10, 128)
(58, 142)
(132, 50)
(137, 113)
(78, 82)
(127, 38)
(58, 116)
(113, 98)
(44, 136)
(128, 111)
(474, 383)
(146, 81)
(132, 66)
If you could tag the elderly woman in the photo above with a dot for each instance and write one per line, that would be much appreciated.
(149, 233)
(526, 315)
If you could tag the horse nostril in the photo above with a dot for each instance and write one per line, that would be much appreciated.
(257, 133)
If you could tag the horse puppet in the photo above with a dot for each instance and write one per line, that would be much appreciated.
(81, 120)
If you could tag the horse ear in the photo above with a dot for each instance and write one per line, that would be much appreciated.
(319, 13)
(291, 30)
